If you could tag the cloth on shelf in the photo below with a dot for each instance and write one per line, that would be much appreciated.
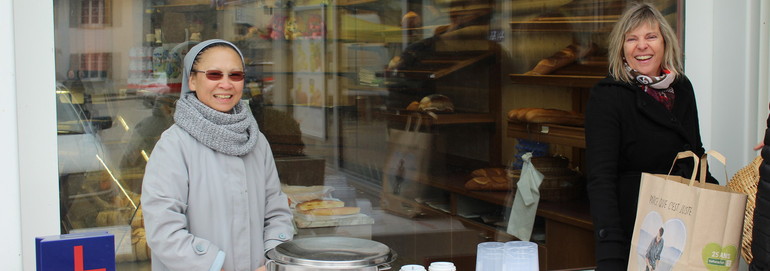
(522, 217)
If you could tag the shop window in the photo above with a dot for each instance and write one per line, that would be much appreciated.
(92, 66)
(91, 13)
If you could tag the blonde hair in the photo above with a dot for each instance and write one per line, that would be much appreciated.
(636, 15)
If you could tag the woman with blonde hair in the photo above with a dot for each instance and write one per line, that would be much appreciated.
(637, 120)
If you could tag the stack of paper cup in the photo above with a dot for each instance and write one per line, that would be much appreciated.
(489, 256)
(520, 256)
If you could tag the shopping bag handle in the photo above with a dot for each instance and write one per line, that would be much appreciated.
(687, 154)
(704, 164)
(409, 122)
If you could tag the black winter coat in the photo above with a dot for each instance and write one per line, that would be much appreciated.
(760, 240)
(627, 133)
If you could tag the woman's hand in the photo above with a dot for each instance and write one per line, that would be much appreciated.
(261, 268)
(759, 146)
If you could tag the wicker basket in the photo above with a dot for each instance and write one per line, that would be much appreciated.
(745, 181)
(559, 184)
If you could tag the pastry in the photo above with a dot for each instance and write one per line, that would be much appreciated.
(496, 183)
(332, 211)
(319, 204)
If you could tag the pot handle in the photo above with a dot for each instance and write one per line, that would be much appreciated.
(270, 264)
(383, 267)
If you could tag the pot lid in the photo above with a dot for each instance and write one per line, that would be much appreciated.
(339, 252)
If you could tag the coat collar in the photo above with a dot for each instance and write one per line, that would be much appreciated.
(658, 113)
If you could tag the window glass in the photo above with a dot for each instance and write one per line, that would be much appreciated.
(405, 110)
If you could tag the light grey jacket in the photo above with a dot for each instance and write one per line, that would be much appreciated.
(198, 202)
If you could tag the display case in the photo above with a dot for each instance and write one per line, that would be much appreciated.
(390, 107)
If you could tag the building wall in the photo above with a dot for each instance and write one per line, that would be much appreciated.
(722, 58)
(9, 195)
(36, 184)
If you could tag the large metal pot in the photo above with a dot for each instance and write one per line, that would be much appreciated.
(330, 253)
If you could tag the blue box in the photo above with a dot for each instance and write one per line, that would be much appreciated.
(88, 251)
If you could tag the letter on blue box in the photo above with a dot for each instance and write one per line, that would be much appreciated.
(89, 251)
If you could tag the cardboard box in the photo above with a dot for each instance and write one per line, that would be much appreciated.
(89, 251)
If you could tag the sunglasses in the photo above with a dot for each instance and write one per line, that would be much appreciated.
(216, 75)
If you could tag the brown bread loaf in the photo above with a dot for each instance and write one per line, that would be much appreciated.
(497, 183)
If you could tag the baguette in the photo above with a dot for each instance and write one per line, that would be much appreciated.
(319, 204)
(497, 183)
(332, 211)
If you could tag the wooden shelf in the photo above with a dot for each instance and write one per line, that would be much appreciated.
(581, 81)
(441, 65)
(443, 119)
(548, 133)
(590, 24)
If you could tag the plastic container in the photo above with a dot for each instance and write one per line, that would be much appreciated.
(489, 256)
(520, 256)
(412, 267)
(442, 266)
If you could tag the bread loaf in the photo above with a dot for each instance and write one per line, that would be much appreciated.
(518, 114)
(319, 204)
(496, 183)
(554, 116)
(413, 106)
(332, 211)
(488, 172)
(562, 58)
(436, 103)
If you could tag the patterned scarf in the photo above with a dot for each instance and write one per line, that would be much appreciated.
(233, 133)
(658, 87)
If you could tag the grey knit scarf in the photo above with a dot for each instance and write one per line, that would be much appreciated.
(233, 133)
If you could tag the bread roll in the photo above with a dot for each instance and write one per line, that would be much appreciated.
(411, 20)
(319, 204)
(497, 183)
(332, 211)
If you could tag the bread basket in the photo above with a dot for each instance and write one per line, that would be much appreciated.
(559, 184)
(745, 181)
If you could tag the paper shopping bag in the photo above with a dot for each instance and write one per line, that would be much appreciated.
(406, 168)
(682, 224)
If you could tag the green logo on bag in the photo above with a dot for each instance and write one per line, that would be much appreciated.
(718, 258)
